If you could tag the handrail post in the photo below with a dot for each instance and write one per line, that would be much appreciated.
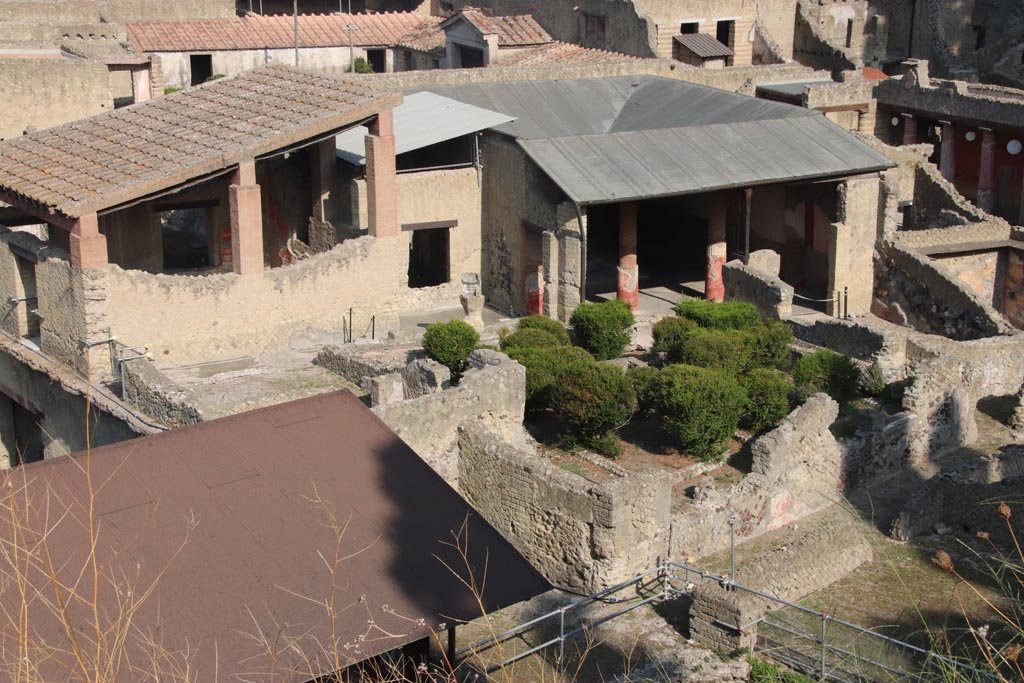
(824, 619)
(561, 636)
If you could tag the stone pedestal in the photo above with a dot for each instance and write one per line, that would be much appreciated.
(473, 305)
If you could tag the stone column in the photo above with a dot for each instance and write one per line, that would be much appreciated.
(322, 172)
(987, 171)
(141, 85)
(246, 210)
(629, 273)
(909, 130)
(571, 260)
(714, 287)
(549, 246)
(947, 157)
(381, 177)
(88, 245)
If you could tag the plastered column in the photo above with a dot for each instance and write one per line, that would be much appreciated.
(629, 273)
(714, 287)
(381, 177)
(987, 171)
(570, 260)
(947, 158)
(549, 246)
(245, 205)
(88, 246)
(909, 130)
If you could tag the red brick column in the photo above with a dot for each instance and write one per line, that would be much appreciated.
(246, 211)
(381, 178)
(909, 130)
(629, 273)
(947, 156)
(322, 166)
(987, 171)
(714, 287)
(88, 245)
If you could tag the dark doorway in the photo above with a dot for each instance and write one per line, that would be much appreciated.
(724, 31)
(689, 27)
(24, 442)
(186, 238)
(27, 275)
(428, 257)
(202, 68)
(378, 60)
(469, 58)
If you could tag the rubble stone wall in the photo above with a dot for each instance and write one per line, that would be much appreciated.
(146, 388)
(43, 93)
(772, 296)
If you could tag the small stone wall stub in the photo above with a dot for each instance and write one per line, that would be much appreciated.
(772, 296)
(149, 390)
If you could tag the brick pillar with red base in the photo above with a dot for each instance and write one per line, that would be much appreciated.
(714, 287)
(381, 177)
(629, 273)
(987, 171)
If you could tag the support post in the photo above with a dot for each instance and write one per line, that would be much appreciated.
(88, 245)
(451, 648)
(987, 171)
(714, 286)
(748, 196)
(381, 176)
(947, 158)
(142, 89)
(909, 129)
(323, 169)
(246, 211)
(629, 272)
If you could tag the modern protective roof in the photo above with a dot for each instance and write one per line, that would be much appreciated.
(703, 45)
(635, 137)
(244, 527)
(256, 32)
(423, 119)
(115, 157)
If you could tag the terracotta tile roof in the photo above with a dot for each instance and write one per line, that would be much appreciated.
(254, 32)
(427, 37)
(563, 53)
(257, 554)
(873, 74)
(512, 31)
(118, 156)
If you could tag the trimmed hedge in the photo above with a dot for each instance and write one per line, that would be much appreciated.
(603, 329)
(595, 400)
(767, 399)
(826, 371)
(725, 315)
(549, 325)
(703, 407)
(543, 368)
(726, 350)
(529, 338)
(769, 344)
(646, 383)
(669, 333)
(450, 344)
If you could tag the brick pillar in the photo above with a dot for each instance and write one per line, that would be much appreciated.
(322, 171)
(909, 130)
(629, 273)
(947, 156)
(381, 179)
(866, 119)
(714, 287)
(156, 76)
(141, 85)
(987, 171)
(246, 209)
(88, 246)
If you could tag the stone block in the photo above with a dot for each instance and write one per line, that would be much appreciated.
(386, 389)
(766, 261)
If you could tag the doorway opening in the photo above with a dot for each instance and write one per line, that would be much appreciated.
(201, 67)
(469, 58)
(429, 251)
(378, 61)
(186, 237)
(22, 436)
(29, 321)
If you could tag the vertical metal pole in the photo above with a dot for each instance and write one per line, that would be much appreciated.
(373, 327)
(261, 8)
(351, 335)
(351, 49)
(846, 303)
(824, 618)
(732, 548)
(295, 14)
(749, 194)
(451, 648)
(561, 636)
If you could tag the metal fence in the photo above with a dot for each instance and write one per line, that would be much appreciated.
(811, 642)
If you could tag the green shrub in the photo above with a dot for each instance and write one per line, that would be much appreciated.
(767, 398)
(669, 332)
(530, 338)
(450, 344)
(595, 400)
(702, 406)
(725, 315)
(726, 350)
(646, 383)
(769, 672)
(549, 325)
(872, 382)
(826, 371)
(603, 329)
(361, 66)
(769, 344)
(543, 367)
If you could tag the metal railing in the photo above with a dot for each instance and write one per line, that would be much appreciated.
(842, 302)
(348, 330)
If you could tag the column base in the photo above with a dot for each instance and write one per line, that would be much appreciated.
(629, 286)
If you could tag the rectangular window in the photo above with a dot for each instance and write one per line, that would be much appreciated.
(429, 250)
(202, 68)
(28, 321)
(689, 27)
(593, 30)
(724, 32)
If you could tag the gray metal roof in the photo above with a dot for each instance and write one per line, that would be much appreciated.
(545, 109)
(791, 89)
(703, 45)
(423, 119)
(594, 169)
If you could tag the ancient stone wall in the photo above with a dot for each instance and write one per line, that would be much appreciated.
(581, 535)
(772, 296)
(797, 469)
(149, 390)
(43, 93)
(851, 271)
(494, 387)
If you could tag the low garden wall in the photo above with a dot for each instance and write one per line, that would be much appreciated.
(772, 296)
(149, 390)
